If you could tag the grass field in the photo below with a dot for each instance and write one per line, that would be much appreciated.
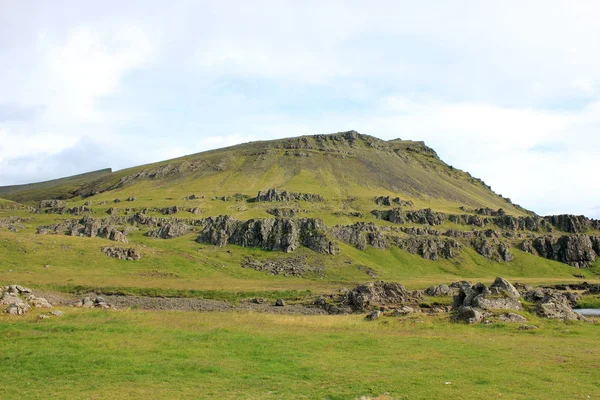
(89, 354)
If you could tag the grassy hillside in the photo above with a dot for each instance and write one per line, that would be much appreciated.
(54, 189)
(337, 166)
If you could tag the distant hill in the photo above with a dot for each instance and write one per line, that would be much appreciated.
(62, 188)
(336, 165)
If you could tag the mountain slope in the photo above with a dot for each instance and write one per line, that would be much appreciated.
(336, 166)
(303, 213)
(62, 188)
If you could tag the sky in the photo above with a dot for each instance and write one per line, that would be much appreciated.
(506, 90)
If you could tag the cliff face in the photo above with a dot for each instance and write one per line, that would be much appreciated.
(275, 234)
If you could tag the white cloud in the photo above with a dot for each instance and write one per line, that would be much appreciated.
(495, 87)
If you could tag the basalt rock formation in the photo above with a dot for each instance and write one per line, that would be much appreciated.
(276, 234)
(578, 250)
(276, 196)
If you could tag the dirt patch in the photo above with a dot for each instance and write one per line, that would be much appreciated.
(180, 304)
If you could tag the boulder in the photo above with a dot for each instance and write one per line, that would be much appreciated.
(39, 302)
(496, 303)
(372, 316)
(504, 287)
(511, 317)
(440, 290)
(280, 303)
(469, 315)
(556, 306)
(119, 253)
(378, 294)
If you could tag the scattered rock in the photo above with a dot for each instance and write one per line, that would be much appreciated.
(57, 313)
(372, 316)
(378, 294)
(511, 317)
(527, 327)
(119, 253)
(469, 315)
(440, 290)
(52, 204)
(389, 201)
(170, 210)
(295, 266)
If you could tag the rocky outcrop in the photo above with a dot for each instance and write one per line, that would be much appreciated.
(492, 249)
(361, 235)
(353, 214)
(395, 215)
(52, 204)
(556, 306)
(13, 224)
(440, 290)
(170, 210)
(390, 201)
(235, 197)
(571, 223)
(275, 234)
(283, 212)
(520, 223)
(420, 231)
(86, 227)
(430, 248)
(295, 266)
(380, 294)
(274, 195)
(500, 295)
(489, 212)
(79, 210)
(467, 219)
(426, 217)
(170, 230)
(18, 300)
(576, 250)
(195, 210)
(119, 253)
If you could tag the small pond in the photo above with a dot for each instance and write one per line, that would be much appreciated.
(588, 312)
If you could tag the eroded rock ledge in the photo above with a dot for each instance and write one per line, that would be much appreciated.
(282, 234)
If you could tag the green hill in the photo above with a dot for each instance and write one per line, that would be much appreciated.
(305, 213)
(62, 188)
